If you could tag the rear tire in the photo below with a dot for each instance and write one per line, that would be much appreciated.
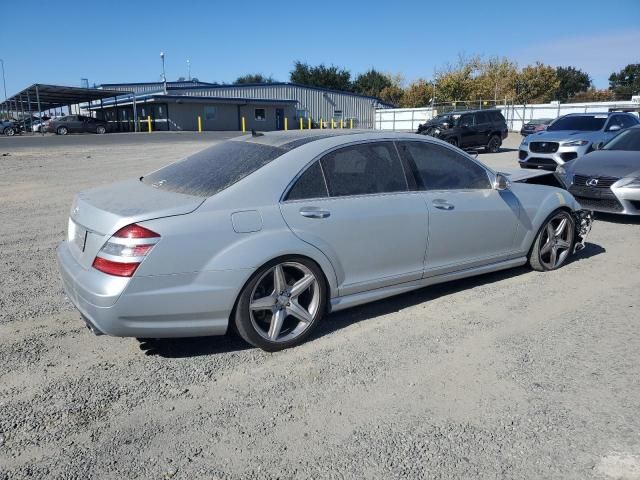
(10, 132)
(494, 144)
(101, 130)
(554, 243)
(271, 313)
(62, 131)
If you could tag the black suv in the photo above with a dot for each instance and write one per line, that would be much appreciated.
(469, 129)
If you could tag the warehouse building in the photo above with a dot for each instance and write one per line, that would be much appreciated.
(265, 106)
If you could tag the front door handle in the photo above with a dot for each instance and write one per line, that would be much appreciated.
(443, 204)
(314, 212)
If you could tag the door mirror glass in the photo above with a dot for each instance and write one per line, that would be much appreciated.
(501, 182)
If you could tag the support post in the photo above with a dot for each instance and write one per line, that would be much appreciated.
(341, 123)
(149, 122)
(199, 124)
(351, 123)
(286, 123)
(321, 126)
(244, 125)
(309, 122)
(300, 123)
(332, 123)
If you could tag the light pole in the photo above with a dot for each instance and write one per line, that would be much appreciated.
(4, 83)
(164, 77)
(188, 69)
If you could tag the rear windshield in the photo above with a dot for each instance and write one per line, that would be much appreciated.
(583, 123)
(214, 169)
(628, 140)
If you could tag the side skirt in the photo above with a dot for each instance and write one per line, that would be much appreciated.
(348, 301)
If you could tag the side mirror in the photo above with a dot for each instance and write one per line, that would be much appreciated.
(598, 146)
(464, 125)
(501, 182)
(615, 128)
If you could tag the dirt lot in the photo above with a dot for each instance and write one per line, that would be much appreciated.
(516, 374)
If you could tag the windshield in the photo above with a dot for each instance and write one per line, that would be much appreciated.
(583, 123)
(627, 140)
(213, 169)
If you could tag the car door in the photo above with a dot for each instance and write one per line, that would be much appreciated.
(74, 123)
(468, 133)
(354, 205)
(470, 223)
(483, 129)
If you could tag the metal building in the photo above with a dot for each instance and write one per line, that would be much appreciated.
(312, 103)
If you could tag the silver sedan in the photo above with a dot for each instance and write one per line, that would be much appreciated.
(270, 232)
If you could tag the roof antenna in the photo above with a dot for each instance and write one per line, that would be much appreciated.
(256, 134)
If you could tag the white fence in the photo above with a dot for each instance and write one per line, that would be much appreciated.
(408, 119)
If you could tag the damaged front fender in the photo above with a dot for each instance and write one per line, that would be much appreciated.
(583, 220)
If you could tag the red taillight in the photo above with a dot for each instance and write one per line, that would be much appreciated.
(118, 269)
(125, 250)
(135, 231)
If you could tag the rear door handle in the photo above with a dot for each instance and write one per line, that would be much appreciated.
(443, 204)
(314, 212)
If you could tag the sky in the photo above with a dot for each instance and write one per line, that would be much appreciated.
(121, 41)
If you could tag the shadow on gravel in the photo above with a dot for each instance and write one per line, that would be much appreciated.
(620, 219)
(193, 347)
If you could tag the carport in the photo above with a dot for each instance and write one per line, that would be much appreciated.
(39, 98)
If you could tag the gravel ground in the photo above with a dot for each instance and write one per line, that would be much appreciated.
(516, 374)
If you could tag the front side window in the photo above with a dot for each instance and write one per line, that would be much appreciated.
(466, 120)
(440, 168)
(364, 169)
(260, 114)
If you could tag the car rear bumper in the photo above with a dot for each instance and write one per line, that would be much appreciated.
(179, 305)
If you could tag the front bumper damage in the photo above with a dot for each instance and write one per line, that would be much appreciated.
(583, 222)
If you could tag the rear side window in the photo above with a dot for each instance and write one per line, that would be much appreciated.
(364, 169)
(440, 168)
(497, 117)
(482, 117)
(214, 169)
(309, 185)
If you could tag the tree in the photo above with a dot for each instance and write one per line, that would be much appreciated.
(392, 94)
(572, 80)
(593, 95)
(253, 78)
(626, 82)
(455, 82)
(321, 76)
(496, 79)
(371, 83)
(417, 94)
(536, 84)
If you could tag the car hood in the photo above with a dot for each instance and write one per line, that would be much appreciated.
(565, 135)
(610, 163)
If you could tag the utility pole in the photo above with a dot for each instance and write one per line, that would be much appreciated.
(4, 83)
(164, 77)
(188, 69)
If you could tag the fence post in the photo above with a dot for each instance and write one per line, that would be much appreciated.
(199, 124)
(149, 122)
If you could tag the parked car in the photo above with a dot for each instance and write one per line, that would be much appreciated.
(535, 126)
(271, 232)
(608, 179)
(570, 137)
(76, 124)
(9, 127)
(469, 129)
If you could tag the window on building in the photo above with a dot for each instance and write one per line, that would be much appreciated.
(261, 114)
(210, 113)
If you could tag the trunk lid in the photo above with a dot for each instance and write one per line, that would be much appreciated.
(98, 213)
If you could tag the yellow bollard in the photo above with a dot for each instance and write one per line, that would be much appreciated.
(244, 125)
(300, 123)
(309, 122)
(332, 126)
(351, 123)
(199, 124)
(321, 124)
(341, 123)
(286, 123)
(149, 122)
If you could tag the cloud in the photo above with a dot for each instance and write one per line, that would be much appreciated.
(599, 54)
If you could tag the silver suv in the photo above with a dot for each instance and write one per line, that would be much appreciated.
(570, 137)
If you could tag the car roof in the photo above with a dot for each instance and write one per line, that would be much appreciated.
(592, 114)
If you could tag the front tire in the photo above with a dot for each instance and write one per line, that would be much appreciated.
(281, 304)
(62, 131)
(101, 130)
(10, 132)
(554, 242)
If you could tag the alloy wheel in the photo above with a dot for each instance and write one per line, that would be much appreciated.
(556, 241)
(284, 302)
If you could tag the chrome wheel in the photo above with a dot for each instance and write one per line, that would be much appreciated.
(284, 302)
(556, 241)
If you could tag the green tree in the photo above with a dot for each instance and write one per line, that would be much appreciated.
(253, 78)
(536, 84)
(417, 94)
(456, 82)
(572, 80)
(392, 94)
(321, 76)
(371, 83)
(626, 82)
(593, 95)
(495, 80)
